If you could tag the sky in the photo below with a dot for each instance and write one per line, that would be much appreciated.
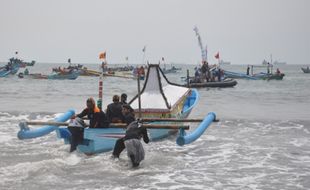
(242, 31)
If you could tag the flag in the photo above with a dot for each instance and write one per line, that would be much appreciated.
(217, 56)
(144, 48)
(102, 55)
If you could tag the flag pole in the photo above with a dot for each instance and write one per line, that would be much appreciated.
(99, 102)
(144, 48)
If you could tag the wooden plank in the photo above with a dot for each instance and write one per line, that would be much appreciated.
(170, 120)
(114, 125)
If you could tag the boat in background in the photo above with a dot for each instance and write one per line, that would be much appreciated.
(11, 68)
(173, 69)
(216, 84)
(269, 75)
(60, 76)
(53, 76)
(21, 63)
(305, 70)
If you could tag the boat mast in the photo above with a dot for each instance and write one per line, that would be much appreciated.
(203, 51)
(102, 57)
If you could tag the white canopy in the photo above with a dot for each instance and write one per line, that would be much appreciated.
(158, 92)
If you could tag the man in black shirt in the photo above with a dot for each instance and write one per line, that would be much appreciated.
(128, 117)
(114, 111)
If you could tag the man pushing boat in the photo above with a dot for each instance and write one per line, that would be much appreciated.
(131, 140)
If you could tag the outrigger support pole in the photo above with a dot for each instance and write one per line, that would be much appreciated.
(184, 138)
(112, 125)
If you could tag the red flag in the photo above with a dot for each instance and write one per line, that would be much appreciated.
(217, 56)
(102, 55)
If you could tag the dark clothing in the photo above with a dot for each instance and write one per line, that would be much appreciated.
(204, 68)
(97, 118)
(135, 150)
(77, 136)
(128, 118)
(119, 144)
(118, 147)
(137, 133)
(219, 75)
(123, 102)
(131, 133)
(114, 112)
(248, 71)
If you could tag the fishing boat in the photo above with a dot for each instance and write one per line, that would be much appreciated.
(216, 84)
(9, 69)
(88, 72)
(159, 100)
(53, 76)
(61, 76)
(269, 75)
(306, 70)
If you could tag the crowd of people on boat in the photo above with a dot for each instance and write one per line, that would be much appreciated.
(119, 111)
(207, 74)
(139, 71)
(66, 70)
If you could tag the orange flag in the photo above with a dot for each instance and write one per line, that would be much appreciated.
(102, 55)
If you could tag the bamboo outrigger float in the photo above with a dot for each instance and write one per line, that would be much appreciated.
(163, 107)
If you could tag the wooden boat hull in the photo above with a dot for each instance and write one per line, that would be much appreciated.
(103, 140)
(274, 77)
(221, 84)
(70, 76)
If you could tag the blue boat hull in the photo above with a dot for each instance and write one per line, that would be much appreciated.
(103, 140)
(71, 76)
(258, 76)
(5, 73)
(26, 133)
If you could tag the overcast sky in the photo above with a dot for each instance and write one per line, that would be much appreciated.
(243, 31)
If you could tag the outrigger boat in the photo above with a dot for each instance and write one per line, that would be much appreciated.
(162, 104)
(255, 76)
(53, 76)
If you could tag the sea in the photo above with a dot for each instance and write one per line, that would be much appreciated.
(262, 139)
